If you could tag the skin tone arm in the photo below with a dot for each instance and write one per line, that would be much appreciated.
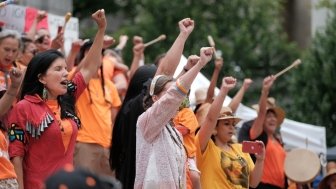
(75, 47)
(10, 96)
(17, 163)
(33, 28)
(191, 62)
(210, 121)
(138, 51)
(256, 173)
(172, 58)
(240, 94)
(257, 127)
(93, 59)
(211, 90)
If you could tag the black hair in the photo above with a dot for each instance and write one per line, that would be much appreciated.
(31, 85)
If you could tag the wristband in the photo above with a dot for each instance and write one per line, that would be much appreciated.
(181, 87)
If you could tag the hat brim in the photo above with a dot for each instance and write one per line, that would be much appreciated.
(279, 112)
(236, 119)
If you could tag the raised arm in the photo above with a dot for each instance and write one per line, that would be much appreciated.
(210, 120)
(9, 97)
(33, 28)
(191, 62)
(75, 48)
(211, 90)
(257, 126)
(239, 95)
(138, 51)
(165, 108)
(93, 59)
(172, 58)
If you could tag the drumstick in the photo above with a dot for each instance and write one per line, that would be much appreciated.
(295, 63)
(212, 44)
(66, 19)
(5, 3)
(160, 38)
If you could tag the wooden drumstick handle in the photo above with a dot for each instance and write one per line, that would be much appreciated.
(67, 17)
(295, 63)
(212, 44)
(160, 38)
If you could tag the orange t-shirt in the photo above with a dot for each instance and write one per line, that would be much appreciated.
(65, 125)
(187, 118)
(108, 68)
(96, 114)
(274, 164)
(6, 167)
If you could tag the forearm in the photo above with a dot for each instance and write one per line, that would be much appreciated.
(134, 66)
(237, 100)
(93, 60)
(32, 30)
(256, 173)
(17, 163)
(257, 126)
(71, 60)
(210, 121)
(172, 58)
(211, 89)
(8, 99)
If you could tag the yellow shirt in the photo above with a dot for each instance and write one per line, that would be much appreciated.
(221, 169)
(96, 114)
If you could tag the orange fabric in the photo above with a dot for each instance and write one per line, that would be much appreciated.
(108, 67)
(65, 125)
(5, 80)
(274, 163)
(187, 118)
(6, 167)
(96, 115)
(189, 182)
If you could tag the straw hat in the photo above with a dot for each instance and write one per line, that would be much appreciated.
(226, 113)
(279, 112)
(323, 183)
(200, 95)
(202, 112)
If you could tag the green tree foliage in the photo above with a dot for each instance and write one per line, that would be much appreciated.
(314, 85)
(249, 34)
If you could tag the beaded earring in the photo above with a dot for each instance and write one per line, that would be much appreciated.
(44, 94)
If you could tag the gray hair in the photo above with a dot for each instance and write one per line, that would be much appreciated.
(10, 33)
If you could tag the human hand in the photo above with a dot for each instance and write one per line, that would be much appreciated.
(229, 82)
(206, 55)
(138, 49)
(58, 41)
(16, 77)
(108, 41)
(186, 26)
(99, 17)
(268, 82)
(41, 14)
(261, 156)
(247, 82)
(76, 45)
(192, 61)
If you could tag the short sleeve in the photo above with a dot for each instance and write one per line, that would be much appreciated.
(80, 83)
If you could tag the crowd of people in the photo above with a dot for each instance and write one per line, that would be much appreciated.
(87, 120)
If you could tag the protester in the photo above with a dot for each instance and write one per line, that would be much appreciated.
(124, 134)
(222, 162)
(43, 125)
(264, 128)
(9, 50)
(97, 107)
(329, 181)
(7, 173)
(27, 52)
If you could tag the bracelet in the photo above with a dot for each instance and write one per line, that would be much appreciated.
(181, 87)
(185, 69)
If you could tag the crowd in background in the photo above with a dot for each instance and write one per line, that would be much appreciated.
(87, 120)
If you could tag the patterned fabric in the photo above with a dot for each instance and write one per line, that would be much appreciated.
(9, 184)
(16, 133)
